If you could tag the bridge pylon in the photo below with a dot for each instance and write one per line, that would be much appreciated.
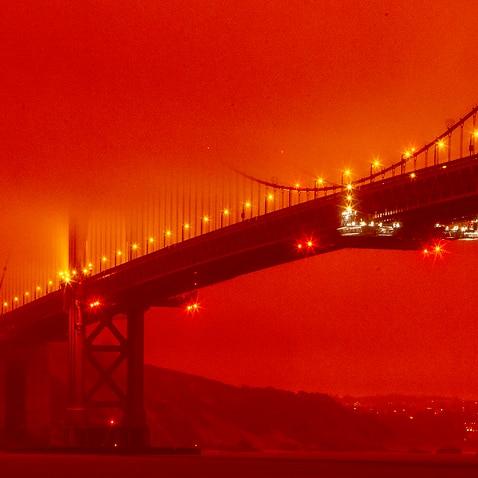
(106, 386)
(106, 364)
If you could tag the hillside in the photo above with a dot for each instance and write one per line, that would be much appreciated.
(184, 410)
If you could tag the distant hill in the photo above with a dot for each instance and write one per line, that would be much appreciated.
(184, 410)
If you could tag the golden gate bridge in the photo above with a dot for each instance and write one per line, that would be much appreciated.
(121, 259)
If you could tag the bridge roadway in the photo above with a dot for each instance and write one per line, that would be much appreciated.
(437, 194)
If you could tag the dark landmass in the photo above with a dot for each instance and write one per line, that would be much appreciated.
(185, 410)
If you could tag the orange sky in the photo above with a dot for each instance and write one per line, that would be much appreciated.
(101, 99)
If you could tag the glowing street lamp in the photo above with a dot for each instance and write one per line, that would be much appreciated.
(204, 221)
(438, 145)
(246, 206)
(36, 294)
(269, 198)
(184, 228)
(118, 257)
(149, 243)
(167, 234)
(224, 214)
(374, 165)
(473, 136)
(133, 248)
(346, 174)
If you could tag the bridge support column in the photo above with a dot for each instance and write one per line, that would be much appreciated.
(134, 419)
(76, 412)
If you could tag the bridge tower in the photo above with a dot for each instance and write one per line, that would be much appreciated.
(89, 375)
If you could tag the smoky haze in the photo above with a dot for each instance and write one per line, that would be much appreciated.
(107, 106)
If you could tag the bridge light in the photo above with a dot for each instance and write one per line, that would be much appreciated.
(349, 197)
(441, 143)
(224, 213)
(204, 222)
(184, 228)
(349, 187)
(345, 174)
(117, 257)
(167, 234)
(191, 308)
(413, 175)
